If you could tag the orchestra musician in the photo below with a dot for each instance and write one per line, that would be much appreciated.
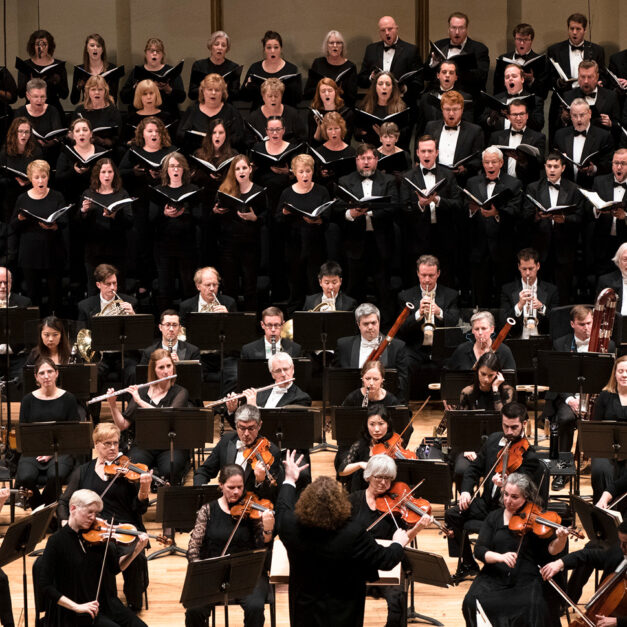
(48, 403)
(616, 279)
(330, 557)
(528, 295)
(372, 378)
(514, 420)
(353, 351)
(330, 280)
(69, 571)
(52, 342)
(207, 281)
(509, 586)
(467, 353)
(230, 450)
(158, 395)
(6, 607)
(17, 353)
(127, 501)
(170, 328)
(211, 532)
(379, 474)
(271, 342)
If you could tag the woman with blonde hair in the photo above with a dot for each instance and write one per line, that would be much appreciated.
(147, 103)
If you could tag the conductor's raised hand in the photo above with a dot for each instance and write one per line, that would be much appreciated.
(293, 466)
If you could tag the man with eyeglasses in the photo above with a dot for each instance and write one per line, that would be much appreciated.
(230, 450)
(207, 281)
(170, 327)
(271, 342)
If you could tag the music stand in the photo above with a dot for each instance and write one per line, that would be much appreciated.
(80, 379)
(216, 579)
(21, 538)
(438, 486)
(619, 334)
(468, 429)
(291, 427)
(188, 375)
(452, 382)
(445, 341)
(600, 527)
(56, 438)
(427, 568)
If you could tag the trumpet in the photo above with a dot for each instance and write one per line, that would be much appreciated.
(102, 397)
(223, 400)
(530, 313)
(428, 326)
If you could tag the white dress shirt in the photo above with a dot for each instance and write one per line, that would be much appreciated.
(365, 348)
(388, 57)
(448, 145)
(276, 395)
(514, 141)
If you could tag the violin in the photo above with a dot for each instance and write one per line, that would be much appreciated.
(260, 454)
(511, 457)
(411, 508)
(132, 472)
(124, 533)
(252, 506)
(542, 523)
(393, 447)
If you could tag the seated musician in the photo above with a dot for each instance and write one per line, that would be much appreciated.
(271, 342)
(433, 303)
(379, 474)
(211, 533)
(125, 500)
(467, 353)
(617, 279)
(353, 351)
(159, 394)
(509, 586)
(52, 342)
(528, 300)
(330, 279)
(6, 607)
(170, 328)
(69, 571)
(230, 450)
(514, 421)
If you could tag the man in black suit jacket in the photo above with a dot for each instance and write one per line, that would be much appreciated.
(609, 230)
(618, 66)
(458, 43)
(369, 232)
(536, 74)
(582, 140)
(394, 55)
(528, 295)
(617, 279)
(491, 228)
(18, 354)
(229, 450)
(526, 168)
(430, 224)
(207, 281)
(330, 279)
(555, 236)
(456, 138)
(271, 342)
(352, 352)
(170, 327)
(430, 299)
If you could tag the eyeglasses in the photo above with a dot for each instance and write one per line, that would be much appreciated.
(279, 370)
(381, 478)
(111, 444)
(517, 115)
(272, 325)
(251, 428)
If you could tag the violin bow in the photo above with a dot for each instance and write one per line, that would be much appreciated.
(568, 600)
(617, 501)
(413, 416)
(499, 457)
(104, 559)
(239, 520)
(535, 498)
(404, 498)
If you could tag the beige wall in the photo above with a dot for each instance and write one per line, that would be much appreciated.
(185, 24)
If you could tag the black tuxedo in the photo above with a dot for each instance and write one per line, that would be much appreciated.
(606, 102)
(492, 240)
(470, 140)
(430, 109)
(329, 569)
(472, 81)
(191, 306)
(540, 85)
(225, 452)
(90, 306)
(560, 52)
(293, 396)
(547, 295)
(604, 244)
(615, 281)
(411, 331)
(343, 302)
(394, 356)
(257, 350)
(528, 171)
(618, 64)
(556, 243)
(17, 300)
(184, 350)
(597, 140)
(535, 110)
(406, 59)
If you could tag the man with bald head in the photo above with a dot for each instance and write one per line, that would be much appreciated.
(392, 54)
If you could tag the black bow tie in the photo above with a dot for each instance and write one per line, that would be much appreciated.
(554, 185)
(495, 181)
(617, 184)
(365, 177)
(524, 57)
(592, 94)
(426, 171)
(454, 47)
(573, 48)
(451, 128)
(513, 132)
(582, 133)
(390, 47)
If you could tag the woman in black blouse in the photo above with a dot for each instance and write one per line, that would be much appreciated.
(41, 251)
(40, 49)
(240, 232)
(327, 99)
(105, 231)
(52, 343)
(147, 103)
(372, 378)
(48, 403)
(162, 394)
(488, 390)
(214, 524)
(219, 45)
(272, 66)
(94, 63)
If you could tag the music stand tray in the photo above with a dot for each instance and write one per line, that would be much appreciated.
(428, 568)
(15, 321)
(468, 429)
(48, 438)
(291, 428)
(437, 488)
(603, 438)
(187, 427)
(524, 351)
(565, 372)
(600, 527)
(111, 333)
(320, 330)
(80, 379)
(177, 505)
(227, 331)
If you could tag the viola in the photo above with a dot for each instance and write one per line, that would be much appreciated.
(512, 457)
(260, 454)
(132, 472)
(542, 523)
(393, 447)
(252, 506)
(124, 533)
(411, 508)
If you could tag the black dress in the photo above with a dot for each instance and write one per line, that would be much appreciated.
(321, 68)
(108, 118)
(229, 70)
(10, 189)
(509, 597)
(133, 119)
(292, 123)
(293, 86)
(79, 79)
(171, 101)
(349, 119)
(56, 83)
(43, 124)
(195, 120)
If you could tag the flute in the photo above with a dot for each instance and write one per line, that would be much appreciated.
(97, 399)
(242, 395)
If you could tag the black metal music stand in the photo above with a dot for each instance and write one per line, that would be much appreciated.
(445, 341)
(427, 568)
(467, 430)
(254, 373)
(21, 539)
(188, 375)
(348, 422)
(619, 334)
(600, 527)
(438, 486)
(604, 438)
(452, 382)
(339, 382)
(217, 579)
(291, 427)
(54, 438)
(80, 379)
